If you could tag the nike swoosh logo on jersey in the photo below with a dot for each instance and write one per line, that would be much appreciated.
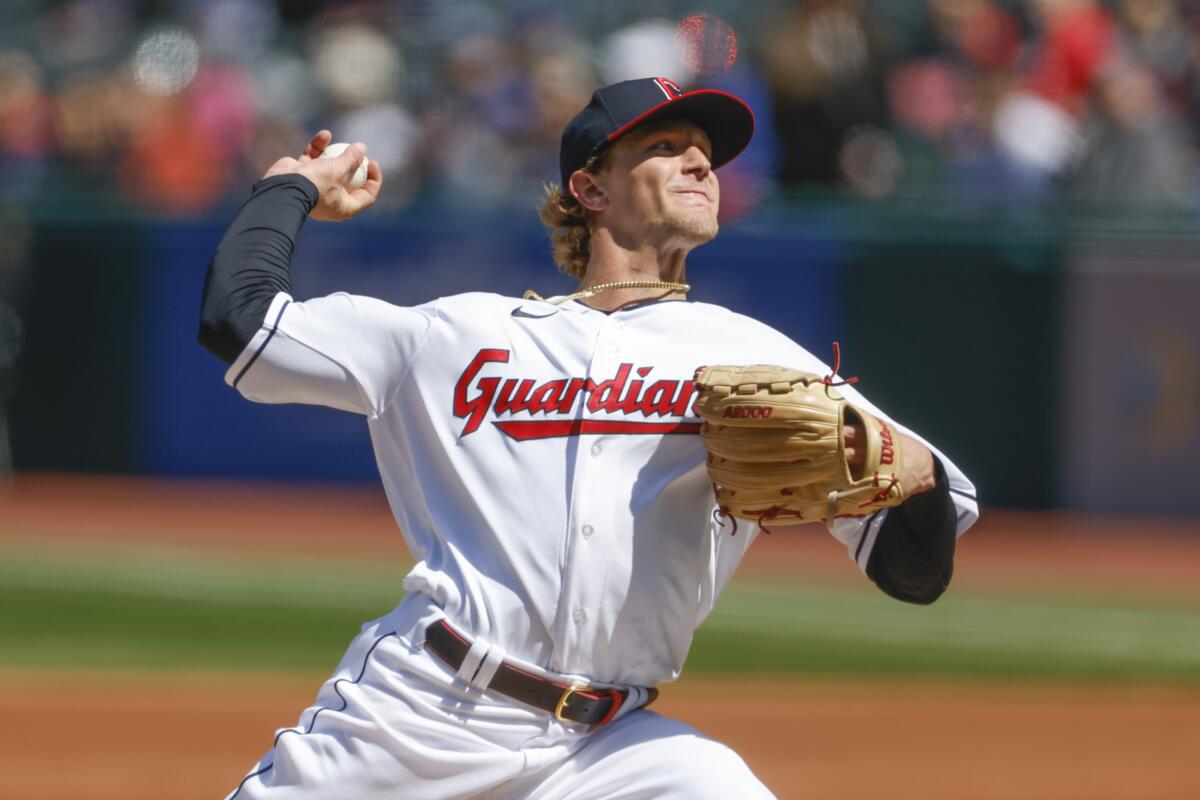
(521, 312)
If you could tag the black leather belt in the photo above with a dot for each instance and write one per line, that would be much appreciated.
(568, 703)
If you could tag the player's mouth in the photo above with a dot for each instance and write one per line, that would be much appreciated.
(692, 192)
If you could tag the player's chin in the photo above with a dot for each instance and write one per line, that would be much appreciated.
(696, 225)
(700, 228)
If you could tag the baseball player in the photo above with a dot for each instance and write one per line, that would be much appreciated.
(544, 463)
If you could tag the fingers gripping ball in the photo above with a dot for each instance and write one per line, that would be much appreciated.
(359, 178)
(776, 447)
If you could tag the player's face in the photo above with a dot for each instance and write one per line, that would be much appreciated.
(660, 186)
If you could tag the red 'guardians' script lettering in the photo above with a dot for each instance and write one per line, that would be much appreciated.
(888, 452)
(474, 396)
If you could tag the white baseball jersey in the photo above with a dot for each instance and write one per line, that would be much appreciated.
(542, 461)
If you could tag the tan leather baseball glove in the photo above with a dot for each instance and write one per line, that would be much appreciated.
(777, 451)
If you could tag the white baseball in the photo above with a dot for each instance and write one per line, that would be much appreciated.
(359, 178)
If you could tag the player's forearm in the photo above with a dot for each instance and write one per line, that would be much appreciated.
(253, 263)
(913, 557)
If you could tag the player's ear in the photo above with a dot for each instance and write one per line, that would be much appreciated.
(585, 187)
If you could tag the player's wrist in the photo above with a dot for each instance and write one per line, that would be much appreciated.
(284, 181)
(920, 474)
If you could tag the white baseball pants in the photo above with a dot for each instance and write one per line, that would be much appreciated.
(394, 722)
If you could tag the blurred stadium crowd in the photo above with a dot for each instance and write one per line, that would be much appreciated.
(175, 106)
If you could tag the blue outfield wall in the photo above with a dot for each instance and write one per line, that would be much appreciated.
(954, 324)
(1058, 365)
(190, 423)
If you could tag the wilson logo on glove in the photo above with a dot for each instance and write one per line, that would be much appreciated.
(887, 451)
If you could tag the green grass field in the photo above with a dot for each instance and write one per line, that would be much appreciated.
(162, 609)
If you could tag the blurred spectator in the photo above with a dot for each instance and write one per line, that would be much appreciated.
(493, 136)
(84, 33)
(1038, 126)
(824, 62)
(355, 64)
(1137, 156)
(561, 83)
(1077, 38)
(170, 165)
(975, 49)
(362, 72)
(646, 47)
(236, 30)
(488, 102)
(26, 124)
(1157, 35)
(179, 105)
(394, 140)
(273, 137)
(947, 96)
(188, 138)
(223, 107)
(285, 86)
(95, 116)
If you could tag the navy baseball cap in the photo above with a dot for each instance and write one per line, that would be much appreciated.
(618, 108)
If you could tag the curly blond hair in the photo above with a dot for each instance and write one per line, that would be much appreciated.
(569, 228)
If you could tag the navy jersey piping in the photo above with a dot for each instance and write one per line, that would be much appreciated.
(866, 533)
(961, 493)
(262, 346)
(312, 722)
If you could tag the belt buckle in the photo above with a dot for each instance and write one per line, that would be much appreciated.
(562, 701)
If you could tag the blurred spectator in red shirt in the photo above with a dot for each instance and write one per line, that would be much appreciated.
(1038, 126)
(1078, 36)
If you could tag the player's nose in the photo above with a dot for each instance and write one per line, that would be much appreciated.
(696, 163)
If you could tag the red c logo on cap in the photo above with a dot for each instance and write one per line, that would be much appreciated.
(670, 88)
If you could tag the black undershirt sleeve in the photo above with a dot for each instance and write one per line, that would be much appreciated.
(913, 557)
(253, 263)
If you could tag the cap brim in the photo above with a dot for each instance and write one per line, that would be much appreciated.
(725, 119)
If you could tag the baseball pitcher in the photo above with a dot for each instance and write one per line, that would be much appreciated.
(577, 477)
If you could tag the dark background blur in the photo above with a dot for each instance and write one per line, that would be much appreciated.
(991, 205)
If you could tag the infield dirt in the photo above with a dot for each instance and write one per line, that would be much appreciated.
(142, 737)
(75, 734)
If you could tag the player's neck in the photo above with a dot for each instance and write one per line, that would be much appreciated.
(610, 263)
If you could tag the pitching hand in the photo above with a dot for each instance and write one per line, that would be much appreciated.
(856, 448)
(916, 473)
(337, 202)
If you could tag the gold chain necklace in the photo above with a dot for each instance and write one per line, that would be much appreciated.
(530, 294)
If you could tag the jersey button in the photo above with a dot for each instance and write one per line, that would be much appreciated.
(596, 448)
(579, 615)
(587, 531)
